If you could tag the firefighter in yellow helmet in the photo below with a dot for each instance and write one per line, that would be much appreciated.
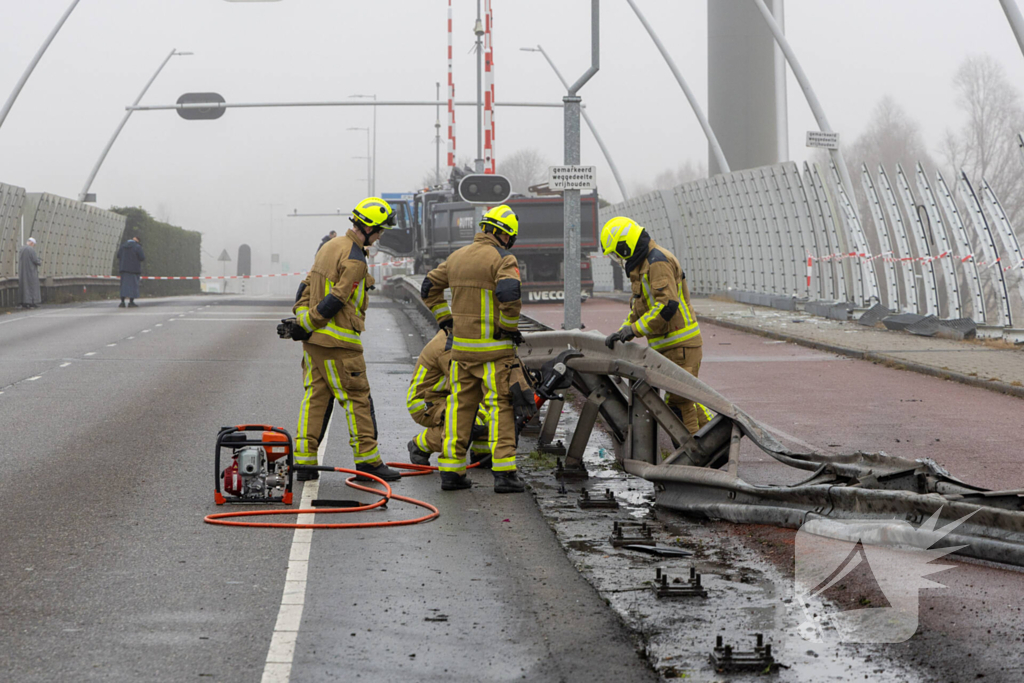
(330, 311)
(426, 398)
(483, 321)
(660, 306)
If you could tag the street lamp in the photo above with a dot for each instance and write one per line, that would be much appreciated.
(84, 194)
(373, 187)
(35, 60)
(586, 117)
(369, 160)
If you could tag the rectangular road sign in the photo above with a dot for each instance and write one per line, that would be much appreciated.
(817, 138)
(572, 178)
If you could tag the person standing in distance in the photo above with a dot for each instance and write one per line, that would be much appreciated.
(130, 257)
(330, 315)
(660, 307)
(28, 274)
(484, 323)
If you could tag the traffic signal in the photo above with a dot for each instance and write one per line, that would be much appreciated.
(196, 114)
(485, 189)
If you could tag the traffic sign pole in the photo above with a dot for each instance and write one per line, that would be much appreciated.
(572, 315)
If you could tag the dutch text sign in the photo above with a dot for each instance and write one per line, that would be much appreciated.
(572, 178)
(817, 138)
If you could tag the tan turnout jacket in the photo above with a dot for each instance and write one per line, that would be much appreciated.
(338, 275)
(486, 298)
(660, 306)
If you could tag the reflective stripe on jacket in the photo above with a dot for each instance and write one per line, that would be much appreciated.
(339, 271)
(429, 383)
(661, 302)
(486, 298)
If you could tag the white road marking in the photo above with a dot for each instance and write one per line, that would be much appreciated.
(281, 654)
(64, 365)
(131, 337)
(90, 353)
(159, 325)
(146, 331)
(33, 379)
(109, 345)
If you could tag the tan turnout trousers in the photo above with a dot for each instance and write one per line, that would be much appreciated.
(693, 415)
(483, 387)
(335, 373)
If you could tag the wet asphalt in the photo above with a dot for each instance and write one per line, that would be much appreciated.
(107, 572)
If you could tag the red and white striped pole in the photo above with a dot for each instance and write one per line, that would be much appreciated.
(810, 269)
(488, 88)
(451, 94)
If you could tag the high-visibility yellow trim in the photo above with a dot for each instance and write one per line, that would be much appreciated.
(421, 441)
(304, 458)
(448, 460)
(710, 415)
(340, 333)
(688, 332)
(303, 320)
(411, 402)
(441, 310)
(480, 345)
(508, 322)
(486, 314)
(301, 441)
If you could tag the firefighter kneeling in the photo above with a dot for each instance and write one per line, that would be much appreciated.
(659, 309)
(426, 399)
(484, 323)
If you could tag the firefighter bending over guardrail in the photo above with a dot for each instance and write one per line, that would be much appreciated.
(659, 308)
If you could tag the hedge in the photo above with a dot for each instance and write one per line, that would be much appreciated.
(170, 250)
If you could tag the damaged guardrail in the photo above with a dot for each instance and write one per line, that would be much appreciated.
(701, 477)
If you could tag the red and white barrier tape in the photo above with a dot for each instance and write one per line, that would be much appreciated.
(399, 262)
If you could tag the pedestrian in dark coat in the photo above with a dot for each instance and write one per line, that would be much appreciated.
(131, 257)
(28, 274)
(327, 238)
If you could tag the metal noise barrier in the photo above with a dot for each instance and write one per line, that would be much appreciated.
(778, 232)
(73, 239)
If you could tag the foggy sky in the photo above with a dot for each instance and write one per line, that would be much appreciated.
(218, 176)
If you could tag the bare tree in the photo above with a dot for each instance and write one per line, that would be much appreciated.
(524, 168)
(669, 178)
(986, 145)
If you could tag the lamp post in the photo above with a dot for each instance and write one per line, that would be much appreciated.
(369, 161)
(35, 60)
(586, 117)
(84, 194)
(373, 185)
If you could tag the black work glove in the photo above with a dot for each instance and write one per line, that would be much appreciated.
(623, 335)
(524, 404)
(446, 326)
(478, 432)
(291, 329)
(516, 337)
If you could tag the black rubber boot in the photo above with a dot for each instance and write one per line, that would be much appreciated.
(508, 482)
(483, 458)
(454, 482)
(132, 304)
(120, 305)
(306, 475)
(416, 456)
(379, 470)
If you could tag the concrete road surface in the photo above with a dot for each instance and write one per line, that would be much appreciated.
(108, 573)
